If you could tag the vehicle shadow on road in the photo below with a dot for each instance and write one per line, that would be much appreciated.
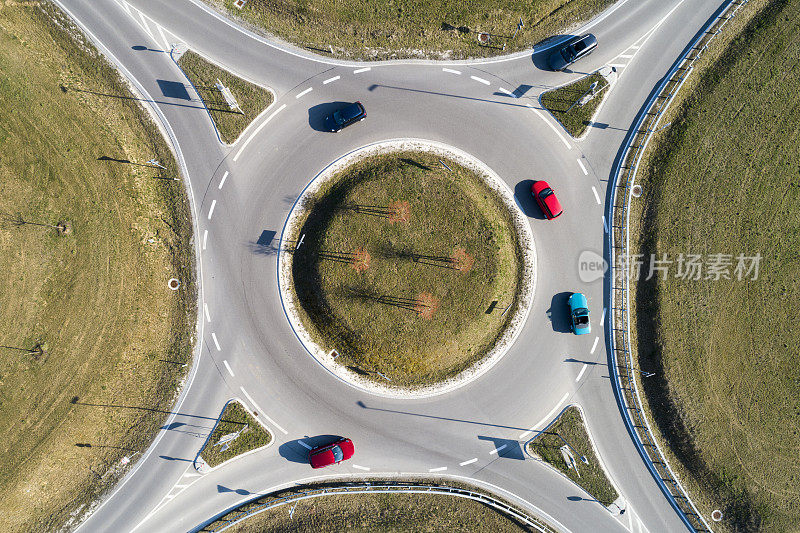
(318, 113)
(544, 49)
(525, 201)
(295, 452)
(559, 312)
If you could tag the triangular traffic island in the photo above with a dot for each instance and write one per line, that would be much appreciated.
(236, 432)
(574, 105)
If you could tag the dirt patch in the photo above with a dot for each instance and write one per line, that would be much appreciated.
(462, 260)
(427, 304)
(401, 212)
(361, 259)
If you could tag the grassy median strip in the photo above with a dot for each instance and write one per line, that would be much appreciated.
(234, 420)
(93, 343)
(252, 99)
(724, 347)
(401, 263)
(437, 29)
(565, 102)
(569, 433)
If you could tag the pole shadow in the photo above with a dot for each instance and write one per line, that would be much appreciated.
(506, 448)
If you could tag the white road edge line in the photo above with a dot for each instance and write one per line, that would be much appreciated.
(361, 467)
(480, 80)
(216, 343)
(360, 70)
(469, 462)
(303, 93)
(211, 209)
(497, 450)
(205, 238)
(451, 71)
(552, 127)
(228, 368)
(594, 345)
(261, 412)
(304, 445)
(329, 80)
(439, 469)
(603, 318)
(580, 374)
(583, 168)
(547, 416)
(222, 181)
(205, 309)
(259, 128)
(596, 196)
(625, 56)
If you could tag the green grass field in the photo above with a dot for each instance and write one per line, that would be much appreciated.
(401, 262)
(562, 104)
(569, 428)
(251, 98)
(233, 419)
(112, 338)
(438, 29)
(725, 179)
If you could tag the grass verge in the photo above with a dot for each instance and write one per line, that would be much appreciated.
(725, 394)
(396, 283)
(94, 344)
(252, 98)
(437, 29)
(234, 419)
(569, 429)
(564, 103)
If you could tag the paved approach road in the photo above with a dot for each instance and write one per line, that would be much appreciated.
(248, 350)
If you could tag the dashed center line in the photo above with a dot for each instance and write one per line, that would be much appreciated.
(329, 80)
(583, 168)
(480, 80)
(498, 450)
(451, 71)
(546, 418)
(222, 181)
(439, 469)
(469, 462)
(506, 91)
(359, 467)
(594, 345)
(580, 374)
(603, 318)
(260, 412)
(596, 196)
(211, 210)
(216, 342)
(205, 308)
(360, 70)
(205, 238)
(228, 368)
(303, 93)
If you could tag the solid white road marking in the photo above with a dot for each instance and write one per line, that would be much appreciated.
(216, 343)
(192, 474)
(596, 196)
(304, 445)
(360, 70)
(618, 65)
(161, 32)
(547, 416)
(594, 346)
(625, 56)
(583, 168)
(580, 374)
(180, 486)
(261, 412)
(211, 210)
(145, 26)
(633, 47)
(440, 469)
(222, 181)
(480, 80)
(205, 308)
(329, 80)
(469, 462)
(506, 91)
(603, 318)
(205, 238)
(497, 450)
(361, 467)
(303, 93)
(552, 127)
(266, 121)
(451, 71)
(228, 368)
(605, 226)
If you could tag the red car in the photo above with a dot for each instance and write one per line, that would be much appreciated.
(546, 199)
(331, 454)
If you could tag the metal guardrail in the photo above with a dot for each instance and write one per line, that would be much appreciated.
(256, 506)
(618, 244)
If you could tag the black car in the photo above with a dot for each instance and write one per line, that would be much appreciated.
(345, 116)
(572, 50)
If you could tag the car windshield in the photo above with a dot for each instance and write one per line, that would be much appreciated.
(338, 455)
(580, 46)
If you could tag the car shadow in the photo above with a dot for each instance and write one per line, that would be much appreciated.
(318, 113)
(544, 49)
(295, 452)
(559, 312)
(525, 201)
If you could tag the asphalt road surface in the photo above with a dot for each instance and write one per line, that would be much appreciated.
(248, 349)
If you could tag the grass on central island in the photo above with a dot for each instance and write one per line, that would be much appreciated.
(401, 263)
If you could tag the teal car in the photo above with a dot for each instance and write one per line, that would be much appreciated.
(579, 314)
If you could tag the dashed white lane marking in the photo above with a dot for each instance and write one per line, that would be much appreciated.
(451, 71)
(603, 318)
(580, 374)
(361, 467)
(205, 238)
(304, 445)
(547, 416)
(216, 342)
(259, 128)
(222, 181)
(583, 168)
(552, 127)
(498, 450)
(329, 80)
(618, 65)
(211, 210)
(596, 196)
(205, 309)
(605, 226)
(261, 412)
(360, 70)
(439, 469)
(480, 80)
(303, 93)
(228, 368)
(594, 345)
(506, 91)
(469, 462)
